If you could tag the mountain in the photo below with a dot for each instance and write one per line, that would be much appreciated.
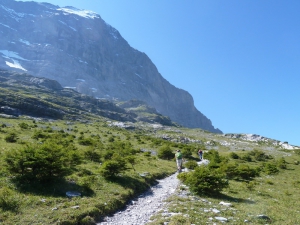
(81, 51)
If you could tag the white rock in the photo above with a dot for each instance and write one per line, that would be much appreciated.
(222, 219)
(225, 204)
(215, 210)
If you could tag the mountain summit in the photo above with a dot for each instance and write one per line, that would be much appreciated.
(81, 51)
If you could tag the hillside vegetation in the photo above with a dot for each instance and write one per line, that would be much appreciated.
(92, 157)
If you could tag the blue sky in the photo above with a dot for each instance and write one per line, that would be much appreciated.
(240, 60)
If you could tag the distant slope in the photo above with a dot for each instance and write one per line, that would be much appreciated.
(78, 49)
(23, 94)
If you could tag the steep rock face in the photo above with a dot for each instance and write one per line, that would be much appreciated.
(79, 50)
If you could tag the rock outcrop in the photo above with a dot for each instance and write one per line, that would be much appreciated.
(81, 51)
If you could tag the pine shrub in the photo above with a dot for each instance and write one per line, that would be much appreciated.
(165, 152)
(191, 164)
(205, 181)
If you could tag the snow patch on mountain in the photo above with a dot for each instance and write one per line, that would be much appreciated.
(13, 14)
(73, 28)
(15, 64)
(79, 12)
(24, 41)
(138, 75)
(9, 55)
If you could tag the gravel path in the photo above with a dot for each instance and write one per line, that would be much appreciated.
(139, 211)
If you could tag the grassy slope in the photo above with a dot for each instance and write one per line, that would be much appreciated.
(102, 196)
(274, 195)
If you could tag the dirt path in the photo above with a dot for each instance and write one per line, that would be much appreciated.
(139, 211)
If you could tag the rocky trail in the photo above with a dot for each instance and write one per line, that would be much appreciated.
(140, 210)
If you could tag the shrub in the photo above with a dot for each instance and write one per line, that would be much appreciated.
(11, 137)
(111, 139)
(88, 220)
(250, 185)
(270, 168)
(233, 155)
(108, 154)
(191, 165)
(147, 154)
(165, 152)
(230, 170)
(23, 125)
(205, 181)
(113, 167)
(39, 134)
(245, 172)
(187, 152)
(281, 163)
(246, 157)
(235, 171)
(9, 201)
(42, 161)
(93, 154)
(132, 160)
(214, 157)
(85, 141)
(259, 155)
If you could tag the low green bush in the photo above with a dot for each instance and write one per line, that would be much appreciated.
(246, 172)
(23, 125)
(260, 155)
(113, 167)
(246, 157)
(204, 181)
(214, 157)
(86, 141)
(233, 155)
(93, 154)
(239, 171)
(9, 200)
(131, 160)
(270, 168)
(191, 164)
(281, 163)
(39, 134)
(43, 161)
(187, 151)
(165, 152)
(11, 137)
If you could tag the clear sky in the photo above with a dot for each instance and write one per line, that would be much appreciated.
(240, 60)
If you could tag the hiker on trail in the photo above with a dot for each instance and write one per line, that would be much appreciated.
(200, 153)
(178, 156)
